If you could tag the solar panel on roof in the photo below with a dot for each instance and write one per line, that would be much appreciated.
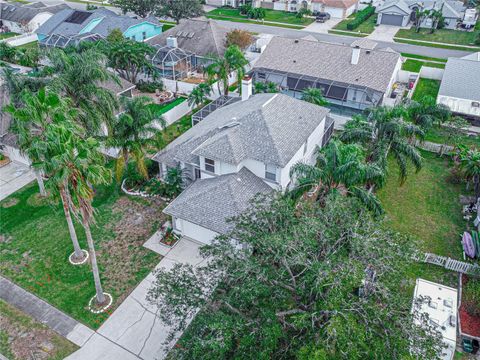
(78, 17)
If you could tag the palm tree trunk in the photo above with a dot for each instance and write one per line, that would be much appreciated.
(73, 235)
(41, 185)
(93, 260)
(225, 85)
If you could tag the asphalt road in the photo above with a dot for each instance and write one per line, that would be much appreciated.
(292, 33)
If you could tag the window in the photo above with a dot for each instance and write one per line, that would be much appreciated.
(261, 75)
(144, 35)
(271, 172)
(210, 165)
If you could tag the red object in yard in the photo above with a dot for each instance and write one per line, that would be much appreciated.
(470, 325)
(410, 85)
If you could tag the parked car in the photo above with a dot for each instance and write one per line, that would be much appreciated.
(322, 17)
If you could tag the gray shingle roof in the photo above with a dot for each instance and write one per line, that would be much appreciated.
(461, 78)
(269, 128)
(450, 9)
(208, 38)
(400, 4)
(210, 202)
(25, 13)
(328, 61)
(57, 25)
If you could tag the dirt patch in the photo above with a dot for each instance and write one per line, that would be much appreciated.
(36, 200)
(124, 255)
(10, 202)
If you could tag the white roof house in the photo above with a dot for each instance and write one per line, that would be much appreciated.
(237, 151)
(440, 303)
(460, 87)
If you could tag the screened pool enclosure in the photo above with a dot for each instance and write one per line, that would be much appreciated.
(337, 93)
(63, 41)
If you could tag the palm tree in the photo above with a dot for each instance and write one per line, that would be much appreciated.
(199, 95)
(80, 76)
(40, 112)
(85, 164)
(426, 112)
(382, 132)
(176, 178)
(133, 133)
(340, 168)
(268, 87)
(314, 96)
(221, 67)
(470, 166)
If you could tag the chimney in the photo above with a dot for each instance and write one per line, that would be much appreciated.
(355, 55)
(172, 42)
(246, 87)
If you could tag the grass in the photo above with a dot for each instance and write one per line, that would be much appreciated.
(7, 35)
(440, 46)
(35, 246)
(366, 27)
(421, 57)
(416, 65)
(426, 87)
(167, 25)
(426, 206)
(163, 108)
(439, 135)
(446, 36)
(346, 33)
(32, 44)
(248, 21)
(13, 343)
(283, 17)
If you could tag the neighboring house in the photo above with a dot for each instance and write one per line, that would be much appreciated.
(336, 8)
(188, 47)
(239, 150)
(351, 77)
(68, 27)
(232, 3)
(27, 18)
(402, 12)
(460, 87)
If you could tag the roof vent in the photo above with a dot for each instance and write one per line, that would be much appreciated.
(368, 51)
(296, 41)
(230, 125)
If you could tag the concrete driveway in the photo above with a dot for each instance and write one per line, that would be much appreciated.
(13, 177)
(134, 331)
(384, 33)
(322, 28)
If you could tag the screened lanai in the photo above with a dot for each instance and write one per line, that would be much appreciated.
(172, 62)
(337, 93)
(62, 41)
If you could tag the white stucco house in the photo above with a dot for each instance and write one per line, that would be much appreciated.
(460, 86)
(26, 18)
(336, 8)
(238, 151)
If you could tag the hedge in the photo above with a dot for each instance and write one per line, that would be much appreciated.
(361, 16)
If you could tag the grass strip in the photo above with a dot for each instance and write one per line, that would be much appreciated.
(440, 46)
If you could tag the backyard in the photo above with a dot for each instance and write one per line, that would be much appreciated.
(441, 35)
(415, 65)
(21, 337)
(35, 245)
(426, 87)
(283, 17)
(7, 35)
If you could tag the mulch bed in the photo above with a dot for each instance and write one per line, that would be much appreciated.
(470, 324)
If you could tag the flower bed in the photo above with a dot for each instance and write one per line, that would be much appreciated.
(469, 320)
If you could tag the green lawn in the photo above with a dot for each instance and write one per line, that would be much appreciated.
(426, 87)
(35, 245)
(8, 35)
(14, 324)
(442, 35)
(426, 206)
(366, 27)
(415, 65)
(440, 46)
(283, 17)
(421, 57)
(32, 44)
(439, 135)
(163, 108)
(347, 33)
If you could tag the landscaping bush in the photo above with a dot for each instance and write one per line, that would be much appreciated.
(149, 87)
(471, 297)
(361, 17)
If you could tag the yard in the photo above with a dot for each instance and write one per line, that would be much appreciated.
(441, 35)
(414, 65)
(21, 337)
(163, 108)
(35, 245)
(426, 87)
(7, 35)
(366, 27)
(277, 16)
(439, 135)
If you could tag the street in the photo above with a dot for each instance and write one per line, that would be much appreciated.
(292, 33)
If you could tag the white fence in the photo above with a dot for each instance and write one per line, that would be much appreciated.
(20, 39)
(431, 73)
(177, 112)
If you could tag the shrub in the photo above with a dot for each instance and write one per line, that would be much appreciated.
(150, 86)
(302, 13)
(241, 38)
(256, 13)
(245, 9)
(471, 297)
(361, 17)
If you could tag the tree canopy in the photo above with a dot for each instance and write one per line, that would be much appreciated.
(142, 8)
(297, 287)
(179, 9)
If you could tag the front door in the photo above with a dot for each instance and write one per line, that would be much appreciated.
(198, 173)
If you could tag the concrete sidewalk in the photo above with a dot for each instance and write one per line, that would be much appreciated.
(134, 331)
(13, 177)
(44, 312)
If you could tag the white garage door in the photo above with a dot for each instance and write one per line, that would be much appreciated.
(194, 231)
(334, 12)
